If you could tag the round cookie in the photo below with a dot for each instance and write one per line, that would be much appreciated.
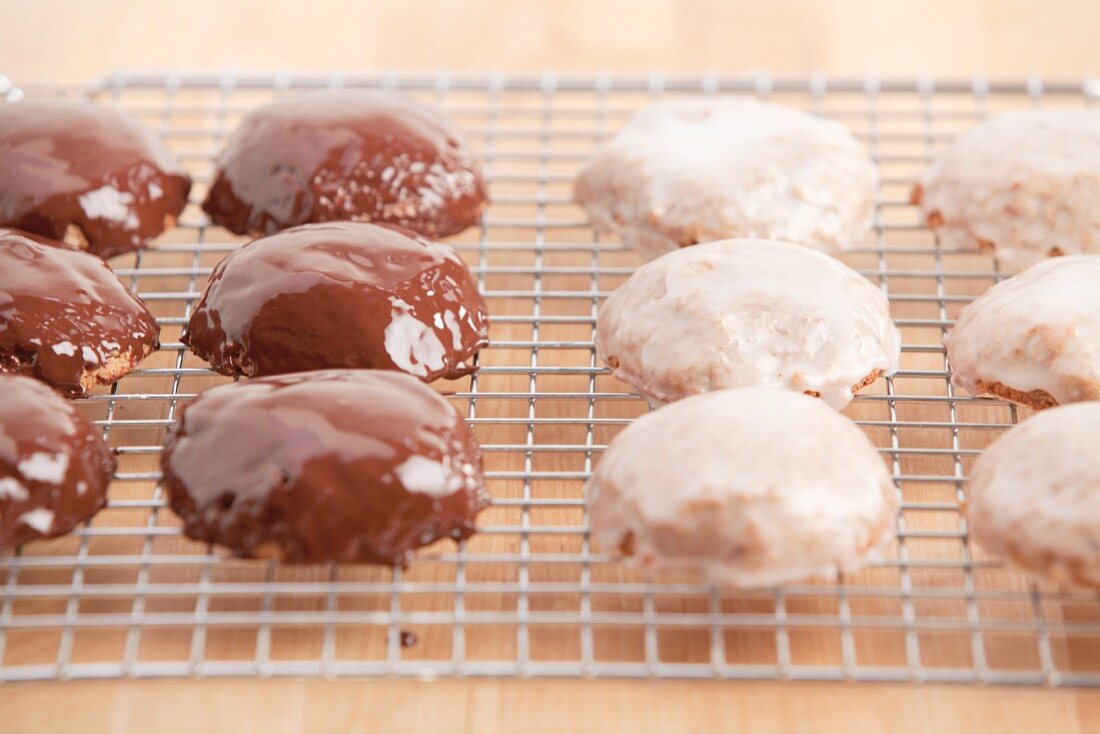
(1033, 339)
(87, 175)
(336, 465)
(694, 170)
(54, 464)
(778, 488)
(66, 318)
(1034, 495)
(366, 156)
(343, 294)
(747, 313)
(1024, 183)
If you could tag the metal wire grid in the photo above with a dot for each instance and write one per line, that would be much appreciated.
(529, 596)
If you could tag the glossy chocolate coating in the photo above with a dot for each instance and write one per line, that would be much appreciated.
(343, 294)
(335, 465)
(54, 464)
(66, 318)
(87, 175)
(365, 156)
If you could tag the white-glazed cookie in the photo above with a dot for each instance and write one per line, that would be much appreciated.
(1024, 183)
(1034, 495)
(747, 313)
(1034, 338)
(748, 487)
(700, 169)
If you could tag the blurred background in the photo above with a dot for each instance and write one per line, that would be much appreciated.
(71, 41)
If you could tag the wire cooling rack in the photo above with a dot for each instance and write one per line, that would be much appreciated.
(127, 595)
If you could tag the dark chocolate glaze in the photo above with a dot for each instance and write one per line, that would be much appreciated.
(343, 294)
(366, 156)
(54, 464)
(66, 318)
(335, 465)
(87, 175)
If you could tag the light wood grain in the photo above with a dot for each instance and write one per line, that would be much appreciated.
(62, 40)
(535, 707)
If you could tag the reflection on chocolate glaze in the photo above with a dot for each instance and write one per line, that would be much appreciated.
(54, 464)
(365, 156)
(343, 294)
(66, 318)
(334, 465)
(86, 175)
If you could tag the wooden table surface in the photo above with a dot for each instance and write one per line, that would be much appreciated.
(52, 41)
(59, 40)
(550, 707)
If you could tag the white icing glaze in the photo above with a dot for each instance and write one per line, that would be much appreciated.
(1039, 330)
(700, 169)
(440, 186)
(424, 475)
(66, 348)
(39, 519)
(1034, 495)
(412, 345)
(747, 313)
(109, 203)
(1026, 182)
(12, 489)
(747, 487)
(43, 466)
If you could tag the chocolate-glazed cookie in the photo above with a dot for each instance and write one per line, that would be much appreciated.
(366, 156)
(66, 318)
(343, 294)
(87, 175)
(54, 464)
(336, 465)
